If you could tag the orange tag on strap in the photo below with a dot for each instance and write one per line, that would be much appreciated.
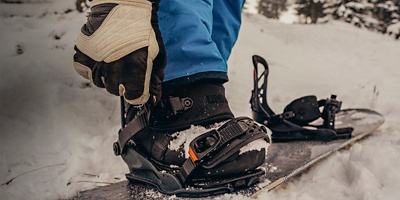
(192, 155)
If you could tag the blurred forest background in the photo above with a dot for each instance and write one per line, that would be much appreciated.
(382, 16)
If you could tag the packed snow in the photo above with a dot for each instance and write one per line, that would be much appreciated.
(182, 139)
(256, 145)
(57, 130)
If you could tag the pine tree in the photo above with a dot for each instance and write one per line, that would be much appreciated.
(272, 8)
(311, 9)
(356, 12)
(386, 12)
(377, 15)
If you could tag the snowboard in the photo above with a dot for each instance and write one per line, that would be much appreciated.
(284, 160)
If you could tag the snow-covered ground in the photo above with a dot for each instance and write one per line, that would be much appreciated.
(56, 130)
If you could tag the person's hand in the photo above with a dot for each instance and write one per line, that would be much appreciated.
(120, 48)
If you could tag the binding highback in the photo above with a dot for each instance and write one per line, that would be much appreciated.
(258, 101)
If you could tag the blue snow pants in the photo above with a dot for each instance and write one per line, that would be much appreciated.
(198, 37)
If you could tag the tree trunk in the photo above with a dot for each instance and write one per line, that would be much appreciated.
(313, 12)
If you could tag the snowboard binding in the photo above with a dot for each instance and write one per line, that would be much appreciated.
(205, 152)
(297, 120)
(214, 165)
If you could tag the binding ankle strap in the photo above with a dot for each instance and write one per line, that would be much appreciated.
(138, 123)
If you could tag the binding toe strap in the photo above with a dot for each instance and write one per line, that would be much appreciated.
(212, 148)
(304, 110)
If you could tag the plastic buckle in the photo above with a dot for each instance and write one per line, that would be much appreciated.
(178, 105)
(332, 106)
(203, 145)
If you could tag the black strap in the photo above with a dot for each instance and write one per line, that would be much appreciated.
(140, 122)
(276, 119)
(304, 110)
(219, 138)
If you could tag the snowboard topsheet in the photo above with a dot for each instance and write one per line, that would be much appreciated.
(284, 160)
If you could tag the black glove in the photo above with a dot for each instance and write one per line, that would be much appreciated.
(120, 48)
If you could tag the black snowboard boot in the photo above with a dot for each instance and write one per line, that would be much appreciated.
(192, 145)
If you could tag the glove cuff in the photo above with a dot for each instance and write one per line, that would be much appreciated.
(122, 2)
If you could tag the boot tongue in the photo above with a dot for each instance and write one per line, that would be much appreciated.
(195, 104)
